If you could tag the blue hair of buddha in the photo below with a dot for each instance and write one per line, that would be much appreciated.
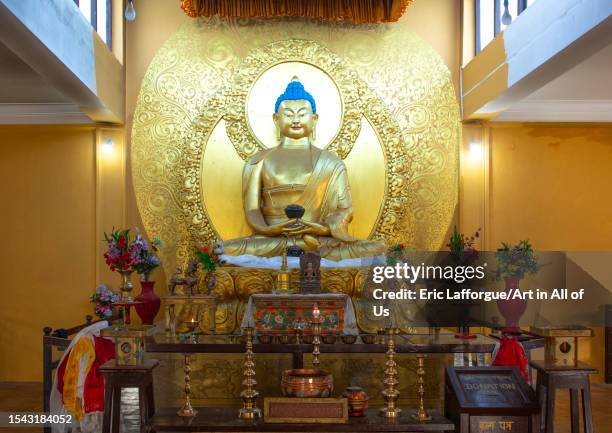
(294, 92)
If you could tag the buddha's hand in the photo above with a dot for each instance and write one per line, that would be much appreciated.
(310, 228)
(277, 229)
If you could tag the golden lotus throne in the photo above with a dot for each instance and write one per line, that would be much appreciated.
(297, 172)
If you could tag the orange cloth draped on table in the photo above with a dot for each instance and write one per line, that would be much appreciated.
(355, 11)
(93, 393)
(81, 358)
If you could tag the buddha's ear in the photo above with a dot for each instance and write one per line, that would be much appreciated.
(275, 118)
(313, 134)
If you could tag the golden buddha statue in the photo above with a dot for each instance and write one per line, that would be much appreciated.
(297, 172)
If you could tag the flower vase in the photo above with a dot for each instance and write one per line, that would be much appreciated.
(126, 286)
(512, 309)
(148, 302)
(210, 279)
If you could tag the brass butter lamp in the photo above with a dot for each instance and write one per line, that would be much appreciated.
(187, 409)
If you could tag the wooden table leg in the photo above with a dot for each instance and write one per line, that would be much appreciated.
(108, 405)
(298, 360)
(150, 401)
(574, 413)
(142, 408)
(541, 396)
(551, 391)
(116, 406)
(587, 411)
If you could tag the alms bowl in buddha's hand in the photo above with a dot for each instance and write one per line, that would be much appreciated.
(294, 211)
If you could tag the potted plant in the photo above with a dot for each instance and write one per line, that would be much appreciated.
(209, 257)
(513, 263)
(144, 261)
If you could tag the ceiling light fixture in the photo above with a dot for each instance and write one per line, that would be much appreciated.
(506, 17)
(130, 12)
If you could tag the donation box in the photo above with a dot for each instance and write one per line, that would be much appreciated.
(490, 400)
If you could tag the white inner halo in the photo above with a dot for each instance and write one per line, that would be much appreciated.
(272, 83)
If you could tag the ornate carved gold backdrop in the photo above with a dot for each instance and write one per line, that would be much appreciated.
(387, 105)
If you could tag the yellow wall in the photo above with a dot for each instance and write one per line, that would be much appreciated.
(549, 183)
(47, 231)
(52, 180)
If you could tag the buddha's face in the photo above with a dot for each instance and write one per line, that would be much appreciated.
(295, 119)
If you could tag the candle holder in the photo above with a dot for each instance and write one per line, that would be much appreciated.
(421, 414)
(390, 393)
(249, 395)
(316, 332)
(187, 410)
(192, 325)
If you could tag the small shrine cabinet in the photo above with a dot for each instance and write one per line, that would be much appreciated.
(490, 400)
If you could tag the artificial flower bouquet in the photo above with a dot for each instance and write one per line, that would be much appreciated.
(104, 300)
(516, 261)
(209, 256)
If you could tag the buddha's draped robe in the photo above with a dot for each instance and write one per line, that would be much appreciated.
(326, 199)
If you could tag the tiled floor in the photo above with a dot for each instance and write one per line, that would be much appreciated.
(26, 397)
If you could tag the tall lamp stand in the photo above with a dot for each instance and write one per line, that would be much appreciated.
(390, 393)
(249, 395)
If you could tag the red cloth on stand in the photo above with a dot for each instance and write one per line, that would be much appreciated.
(512, 354)
(93, 392)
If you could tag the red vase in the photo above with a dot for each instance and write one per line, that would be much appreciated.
(149, 303)
(512, 309)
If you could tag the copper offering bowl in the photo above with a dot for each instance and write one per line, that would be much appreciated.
(307, 382)
(368, 338)
(264, 338)
(357, 400)
(307, 338)
(286, 339)
(348, 339)
(329, 339)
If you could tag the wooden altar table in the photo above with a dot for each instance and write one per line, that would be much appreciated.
(405, 343)
(211, 419)
(162, 343)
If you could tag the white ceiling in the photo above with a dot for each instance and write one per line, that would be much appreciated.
(582, 94)
(19, 83)
(27, 98)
